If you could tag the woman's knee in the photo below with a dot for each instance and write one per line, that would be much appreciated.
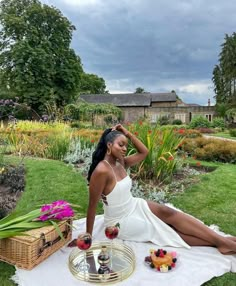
(166, 212)
(161, 211)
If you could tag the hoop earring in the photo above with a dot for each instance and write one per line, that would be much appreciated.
(109, 151)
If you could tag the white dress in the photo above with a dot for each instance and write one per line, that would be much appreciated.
(137, 222)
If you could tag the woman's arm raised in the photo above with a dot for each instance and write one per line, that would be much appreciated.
(142, 150)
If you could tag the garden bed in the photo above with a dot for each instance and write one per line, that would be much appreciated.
(12, 184)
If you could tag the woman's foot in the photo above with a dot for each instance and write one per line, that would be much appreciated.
(233, 238)
(225, 252)
(229, 246)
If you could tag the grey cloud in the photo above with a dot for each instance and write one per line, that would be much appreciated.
(154, 44)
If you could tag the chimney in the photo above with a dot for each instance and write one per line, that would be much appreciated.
(209, 102)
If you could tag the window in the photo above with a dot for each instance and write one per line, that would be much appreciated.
(209, 117)
(154, 117)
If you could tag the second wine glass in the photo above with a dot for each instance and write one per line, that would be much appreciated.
(112, 232)
(84, 242)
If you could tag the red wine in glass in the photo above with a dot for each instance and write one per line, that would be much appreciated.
(112, 232)
(84, 242)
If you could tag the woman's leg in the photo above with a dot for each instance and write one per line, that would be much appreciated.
(191, 228)
(193, 240)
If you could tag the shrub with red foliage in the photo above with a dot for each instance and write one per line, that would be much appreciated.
(205, 130)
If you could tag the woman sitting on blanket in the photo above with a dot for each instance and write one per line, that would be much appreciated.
(140, 220)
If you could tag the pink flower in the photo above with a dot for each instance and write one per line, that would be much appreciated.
(58, 210)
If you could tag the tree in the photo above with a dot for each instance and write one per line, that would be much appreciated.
(224, 74)
(140, 90)
(91, 83)
(37, 63)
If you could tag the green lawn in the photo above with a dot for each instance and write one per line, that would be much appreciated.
(212, 200)
(47, 181)
(222, 134)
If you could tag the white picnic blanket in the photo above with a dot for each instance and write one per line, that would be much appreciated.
(194, 267)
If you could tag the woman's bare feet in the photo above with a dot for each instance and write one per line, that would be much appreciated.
(231, 238)
(229, 246)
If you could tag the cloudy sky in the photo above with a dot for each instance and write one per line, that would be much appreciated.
(158, 45)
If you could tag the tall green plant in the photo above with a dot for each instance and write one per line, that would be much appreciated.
(58, 146)
(47, 140)
(165, 155)
(161, 160)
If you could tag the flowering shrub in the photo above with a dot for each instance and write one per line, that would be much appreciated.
(189, 133)
(7, 107)
(210, 149)
(88, 135)
(47, 140)
(205, 130)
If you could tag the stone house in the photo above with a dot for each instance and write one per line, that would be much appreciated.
(152, 106)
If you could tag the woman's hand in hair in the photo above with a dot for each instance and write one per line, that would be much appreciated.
(121, 128)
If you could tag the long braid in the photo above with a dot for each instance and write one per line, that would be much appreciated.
(101, 149)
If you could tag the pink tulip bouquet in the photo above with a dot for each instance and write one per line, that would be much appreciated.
(49, 214)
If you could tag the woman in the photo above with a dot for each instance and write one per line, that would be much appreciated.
(140, 220)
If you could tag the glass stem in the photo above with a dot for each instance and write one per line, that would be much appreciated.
(111, 252)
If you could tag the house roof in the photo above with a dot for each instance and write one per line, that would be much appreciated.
(165, 96)
(120, 100)
(129, 99)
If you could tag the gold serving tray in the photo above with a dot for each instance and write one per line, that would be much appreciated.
(122, 263)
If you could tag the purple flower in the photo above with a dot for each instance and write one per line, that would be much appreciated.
(58, 210)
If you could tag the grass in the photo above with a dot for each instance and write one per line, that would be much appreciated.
(47, 181)
(222, 134)
(213, 199)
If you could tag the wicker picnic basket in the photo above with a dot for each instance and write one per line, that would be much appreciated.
(28, 251)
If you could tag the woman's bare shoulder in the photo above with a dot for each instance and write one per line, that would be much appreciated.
(101, 168)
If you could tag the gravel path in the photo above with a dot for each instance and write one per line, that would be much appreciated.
(221, 138)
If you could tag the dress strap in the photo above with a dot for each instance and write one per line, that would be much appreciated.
(111, 168)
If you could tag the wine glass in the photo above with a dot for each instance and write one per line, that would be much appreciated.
(111, 232)
(84, 242)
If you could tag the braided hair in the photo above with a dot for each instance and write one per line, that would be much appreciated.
(101, 149)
